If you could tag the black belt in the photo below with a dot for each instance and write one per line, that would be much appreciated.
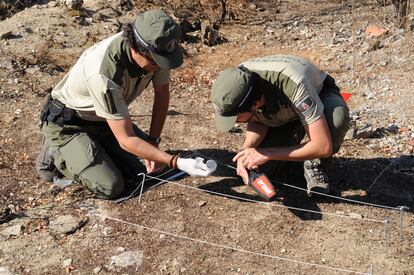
(56, 112)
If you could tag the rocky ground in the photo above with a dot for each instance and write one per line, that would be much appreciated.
(46, 229)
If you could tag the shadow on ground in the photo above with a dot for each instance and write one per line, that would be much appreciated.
(365, 180)
(382, 181)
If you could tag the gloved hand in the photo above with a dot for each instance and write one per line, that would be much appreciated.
(196, 167)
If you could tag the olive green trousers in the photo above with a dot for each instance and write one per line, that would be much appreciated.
(91, 155)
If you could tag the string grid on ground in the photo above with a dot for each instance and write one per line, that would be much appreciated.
(267, 203)
(315, 192)
(231, 247)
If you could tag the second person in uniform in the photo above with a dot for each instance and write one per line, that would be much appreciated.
(282, 98)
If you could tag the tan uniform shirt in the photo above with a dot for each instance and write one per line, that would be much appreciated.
(295, 77)
(105, 80)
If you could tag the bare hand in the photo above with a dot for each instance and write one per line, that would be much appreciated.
(242, 172)
(153, 166)
(251, 158)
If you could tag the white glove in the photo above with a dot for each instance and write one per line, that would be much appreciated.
(196, 167)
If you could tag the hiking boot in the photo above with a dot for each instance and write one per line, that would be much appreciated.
(45, 166)
(316, 179)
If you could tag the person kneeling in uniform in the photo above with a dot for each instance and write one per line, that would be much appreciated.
(87, 131)
(281, 98)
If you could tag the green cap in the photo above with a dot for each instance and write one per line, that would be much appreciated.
(228, 92)
(158, 33)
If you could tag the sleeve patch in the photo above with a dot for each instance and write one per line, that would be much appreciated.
(305, 104)
(109, 99)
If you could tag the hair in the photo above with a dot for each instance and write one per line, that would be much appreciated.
(256, 94)
(129, 38)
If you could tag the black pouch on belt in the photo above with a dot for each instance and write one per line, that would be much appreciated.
(66, 116)
(45, 111)
(55, 110)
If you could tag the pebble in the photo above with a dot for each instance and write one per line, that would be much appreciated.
(97, 269)
(128, 258)
(355, 215)
(120, 249)
(67, 262)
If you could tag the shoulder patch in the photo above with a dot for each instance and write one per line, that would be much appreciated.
(305, 104)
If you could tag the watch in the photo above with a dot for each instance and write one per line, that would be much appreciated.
(155, 140)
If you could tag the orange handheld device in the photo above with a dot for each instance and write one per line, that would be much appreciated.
(262, 185)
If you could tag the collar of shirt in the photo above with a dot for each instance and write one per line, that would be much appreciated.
(134, 70)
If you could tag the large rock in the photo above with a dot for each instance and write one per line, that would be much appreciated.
(66, 224)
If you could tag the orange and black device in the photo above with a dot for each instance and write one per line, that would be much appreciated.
(262, 185)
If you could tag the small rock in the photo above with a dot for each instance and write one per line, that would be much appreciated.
(252, 6)
(67, 262)
(283, 250)
(73, 4)
(202, 203)
(120, 249)
(128, 258)
(97, 269)
(52, 4)
(209, 34)
(355, 215)
(365, 132)
(14, 230)
(375, 31)
(5, 214)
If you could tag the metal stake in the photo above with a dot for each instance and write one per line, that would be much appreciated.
(386, 223)
(402, 209)
(142, 186)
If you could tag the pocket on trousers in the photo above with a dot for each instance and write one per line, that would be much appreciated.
(78, 154)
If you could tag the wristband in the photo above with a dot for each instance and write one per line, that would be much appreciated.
(173, 161)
